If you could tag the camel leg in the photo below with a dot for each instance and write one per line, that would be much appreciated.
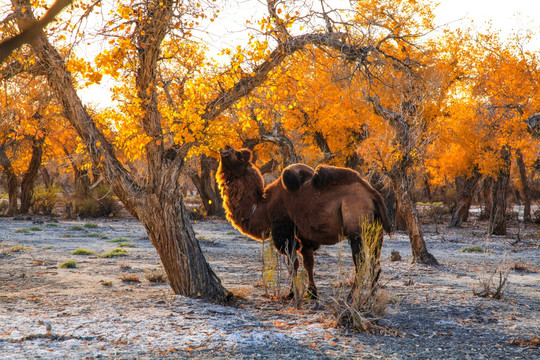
(293, 270)
(309, 261)
(356, 242)
(285, 242)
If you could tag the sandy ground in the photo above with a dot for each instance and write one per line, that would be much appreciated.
(47, 312)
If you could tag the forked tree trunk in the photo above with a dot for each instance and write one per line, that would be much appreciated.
(167, 223)
(408, 212)
(30, 176)
(499, 190)
(12, 185)
(525, 189)
(465, 186)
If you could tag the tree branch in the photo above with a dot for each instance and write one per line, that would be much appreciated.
(32, 31)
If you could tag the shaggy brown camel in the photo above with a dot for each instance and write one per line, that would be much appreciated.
(301, 210)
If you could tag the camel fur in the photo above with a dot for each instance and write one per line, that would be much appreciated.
(301, 210)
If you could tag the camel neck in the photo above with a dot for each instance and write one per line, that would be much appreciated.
(243, 200)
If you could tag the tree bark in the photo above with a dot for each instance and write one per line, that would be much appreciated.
(466, 187)
(207, 187)
(408, 212)
(12, 183)
(525, 189)
(499, 190)
(167, 223)
(158, 203)
(30, 176)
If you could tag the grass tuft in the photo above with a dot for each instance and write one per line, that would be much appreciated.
(119, 240)
(115, 253)
(90, 226)
(83, 252)
(69, 264)
(127, 245)
(473, 249)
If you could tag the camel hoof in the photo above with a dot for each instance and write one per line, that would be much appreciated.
(312, 294)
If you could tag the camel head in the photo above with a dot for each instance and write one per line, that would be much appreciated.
(234, 162)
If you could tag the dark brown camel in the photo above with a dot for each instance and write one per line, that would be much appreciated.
(301, 210)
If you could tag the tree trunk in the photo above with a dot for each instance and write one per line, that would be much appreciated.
(12, 183)
(207, 187)
(525, 189)
(408, 212)
(465, 186)
(167, 223)
(46, 177)
(499, 190)
(30, 176)
(164, 217)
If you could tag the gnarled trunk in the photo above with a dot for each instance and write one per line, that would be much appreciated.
(12, 182)
(499, 190)
(408, 212)
(30, 176)
(525, 189)
(465, 187)
(166, 221)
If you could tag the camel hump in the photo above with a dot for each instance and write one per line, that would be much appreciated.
(326, 175)
(295, 175)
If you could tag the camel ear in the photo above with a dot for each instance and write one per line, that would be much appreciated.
(246, 155)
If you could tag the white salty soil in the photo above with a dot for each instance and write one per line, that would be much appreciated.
(47, 312)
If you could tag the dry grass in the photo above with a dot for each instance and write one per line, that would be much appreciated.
(366, 302)
(155, 276)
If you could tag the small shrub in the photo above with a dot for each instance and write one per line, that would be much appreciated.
(48, 247)
(4, 205)
(395, 256)
(106, 283)
(96, 235)
(99, 203)
(67, 235)
(52, 224)
(231, 232)
(83, 252)
(127, 245)
(270, 270)
(119, 240)
(35, 228)
(366, 302)
(45, 199)
(125, 266)
(19, 248)
(69, 264)
(130, 278)
(492, 286)
(90, 226)
(473, 249)
(115, 253)
(155, 276)
(76, 228)
(22, 231)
